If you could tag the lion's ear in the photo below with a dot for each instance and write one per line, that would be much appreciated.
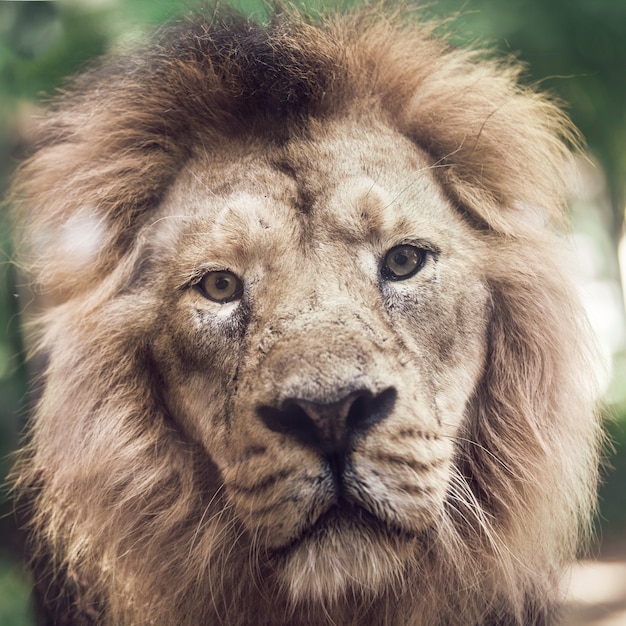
(83, 194)
(64, 253)
(497, 146)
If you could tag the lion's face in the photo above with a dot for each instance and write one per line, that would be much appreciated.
(327, 313)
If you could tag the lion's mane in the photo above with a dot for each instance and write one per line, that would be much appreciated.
(129, 521)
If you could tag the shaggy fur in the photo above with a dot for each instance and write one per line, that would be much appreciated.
(332, 445)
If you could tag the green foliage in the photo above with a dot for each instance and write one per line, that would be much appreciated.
(612, 519)
(14, 594)
(43, 42)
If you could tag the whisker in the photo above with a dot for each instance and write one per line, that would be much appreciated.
(488, 452)
(204, 513)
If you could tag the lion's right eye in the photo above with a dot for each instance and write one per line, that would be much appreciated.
(402, 262)
(221, 286)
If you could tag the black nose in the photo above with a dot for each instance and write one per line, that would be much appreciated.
(329, 429)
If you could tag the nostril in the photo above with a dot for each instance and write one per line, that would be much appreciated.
(367, 410)
(290, 420)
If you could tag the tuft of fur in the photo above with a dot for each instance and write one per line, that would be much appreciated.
(132, 512)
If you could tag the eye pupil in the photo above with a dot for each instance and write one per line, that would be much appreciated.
(403, 262)
(222, 283)
(400, 258)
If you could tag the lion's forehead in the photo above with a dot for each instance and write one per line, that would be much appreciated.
(349, 186)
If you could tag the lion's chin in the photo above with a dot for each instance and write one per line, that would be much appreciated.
(347, 548)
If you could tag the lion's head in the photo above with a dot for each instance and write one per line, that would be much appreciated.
(313, 355)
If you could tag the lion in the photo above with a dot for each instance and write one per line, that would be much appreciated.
(313, 350)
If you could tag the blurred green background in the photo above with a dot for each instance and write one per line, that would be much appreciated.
(572, 48)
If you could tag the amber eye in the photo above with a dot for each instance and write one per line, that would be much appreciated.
(221, 286)
(403, 262)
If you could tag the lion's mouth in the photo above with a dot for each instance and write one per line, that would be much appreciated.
(343, 519)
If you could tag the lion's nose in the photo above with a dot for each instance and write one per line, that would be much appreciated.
(329, 428)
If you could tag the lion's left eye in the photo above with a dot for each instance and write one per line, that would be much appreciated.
(221, 286)
(402, 262)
